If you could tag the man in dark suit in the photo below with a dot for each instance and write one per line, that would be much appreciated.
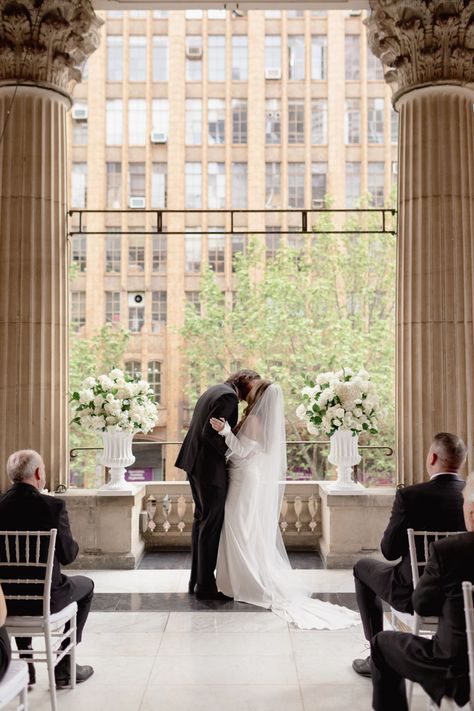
(24, 508)
(202, 456)
(439, 664)
(435, 505)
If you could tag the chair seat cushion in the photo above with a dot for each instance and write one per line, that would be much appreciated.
(38, 622)
(14, 681)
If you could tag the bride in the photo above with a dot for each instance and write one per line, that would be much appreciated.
(252, 563)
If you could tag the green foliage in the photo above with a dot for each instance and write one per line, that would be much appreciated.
(326, 306)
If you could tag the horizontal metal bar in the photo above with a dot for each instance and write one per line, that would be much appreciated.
(198, 211)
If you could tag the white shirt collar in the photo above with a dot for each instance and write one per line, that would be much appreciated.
(444, 474)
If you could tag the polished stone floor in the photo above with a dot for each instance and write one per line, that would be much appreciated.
(154, 648)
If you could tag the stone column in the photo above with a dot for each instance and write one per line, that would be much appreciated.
(43, 46)
(429, 51)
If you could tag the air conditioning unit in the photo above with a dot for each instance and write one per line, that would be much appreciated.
(159, 137)
(317, 204)
(79, 113)
(136, 298)
(277, 115)
(136, 202)
(193, 52)
(273, 73)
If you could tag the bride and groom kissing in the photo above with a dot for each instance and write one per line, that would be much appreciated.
(237, 471)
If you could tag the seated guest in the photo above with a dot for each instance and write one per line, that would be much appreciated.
(5, 651)
(435, 505)
(24, 508)
(439, 664)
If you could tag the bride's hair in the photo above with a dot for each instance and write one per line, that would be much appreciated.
(253, 397)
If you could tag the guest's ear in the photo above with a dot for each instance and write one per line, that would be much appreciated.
(37, 474)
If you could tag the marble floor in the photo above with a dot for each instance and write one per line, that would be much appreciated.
(154, 648)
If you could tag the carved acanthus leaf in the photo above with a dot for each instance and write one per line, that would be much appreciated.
(47, 42)
(423, 41)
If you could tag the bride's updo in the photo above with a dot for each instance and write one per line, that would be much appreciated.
(252, 398)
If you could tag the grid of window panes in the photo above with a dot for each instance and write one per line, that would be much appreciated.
(133, 367)
(216, 250)
(239, 121)
(79, 252)
(78, 310)
(158, 310)
(113, 251)
(159, 253)
(154, 378)
(193, 298)
(112, 306)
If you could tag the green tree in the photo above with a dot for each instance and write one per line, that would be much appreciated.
(324, 306)
(98, 354)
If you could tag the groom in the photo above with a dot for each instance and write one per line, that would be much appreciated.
(202, 456)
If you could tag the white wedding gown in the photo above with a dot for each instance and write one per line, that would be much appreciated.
(252, 564)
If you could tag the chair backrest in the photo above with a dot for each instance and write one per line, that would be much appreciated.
(467, 589)
(419, 554)
(25, 553)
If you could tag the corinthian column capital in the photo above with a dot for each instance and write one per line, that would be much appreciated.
(423, 41)
(46, 42)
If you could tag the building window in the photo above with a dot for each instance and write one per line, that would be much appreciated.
(216, 121)
(115, 14)
(114, 58)
(137, 135)
(193, 58)
(296, 185)
(374, 67)
(272, 121)
(296, 57)
(159, 255)
(136, 253)
(79, 123)
(295, 240)
(138, 14)
(375, 115)
(273, 14)
(216, 250)
(136, 317)
(158, 311)
(239, 186)
(193, 120)
(193, 185)
(133, 368)
(160, 14)
(216, 185)
(216, 14)
(318, 184)
(113, 122)
(272, 242)
(319, 121)
(114, 186)
(295, 14)
(239, 58)
(352, 183)
(193, 298)
(319, 47)
(394, 174)
(137, 58)
(160, 116)
(112, 306)
(352, 57)
(154, 378)
(78, 310)
(192, 251)
(393, 126)
(273, 55)
(239, 121)
(216, 58)
(160, 58)
(79, 252)
(352, 121)
(239, 244)
(159, 185)
(193, 14)
(375, 182)
(296, 122)
(113, 253)
(79, 185)
(273, 185)
(136, 180)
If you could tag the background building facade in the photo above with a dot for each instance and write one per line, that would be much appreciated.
(211, 110)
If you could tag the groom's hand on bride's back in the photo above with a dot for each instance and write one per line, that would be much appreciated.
(217, 424)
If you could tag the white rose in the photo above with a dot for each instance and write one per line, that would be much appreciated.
(106, 382)
(86, 396)
(312, 429)
(301, 412)
(89, 383)
(116, 373)
(336, 422)
(340, 412)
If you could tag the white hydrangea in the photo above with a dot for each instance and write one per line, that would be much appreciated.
(86, 396)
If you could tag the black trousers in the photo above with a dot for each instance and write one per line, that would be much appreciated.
(373, 584)
(82, 593)
(5, 652)
(209, 504)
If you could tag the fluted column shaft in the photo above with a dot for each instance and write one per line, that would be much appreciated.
(34, 283)
(435, 282)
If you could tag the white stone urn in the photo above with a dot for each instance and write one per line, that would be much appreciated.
(344, 453)
(116, 456)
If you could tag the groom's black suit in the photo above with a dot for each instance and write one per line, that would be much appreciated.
(202, 456)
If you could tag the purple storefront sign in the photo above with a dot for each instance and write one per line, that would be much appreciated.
(134, 475)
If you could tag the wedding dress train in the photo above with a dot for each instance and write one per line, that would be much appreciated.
(252, 564)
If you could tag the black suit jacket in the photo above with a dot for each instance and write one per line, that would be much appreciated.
(439, 593)
(435, 505)
(203, 450)
(23, 508)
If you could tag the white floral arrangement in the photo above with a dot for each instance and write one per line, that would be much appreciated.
(341, 400)
(116, 401)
